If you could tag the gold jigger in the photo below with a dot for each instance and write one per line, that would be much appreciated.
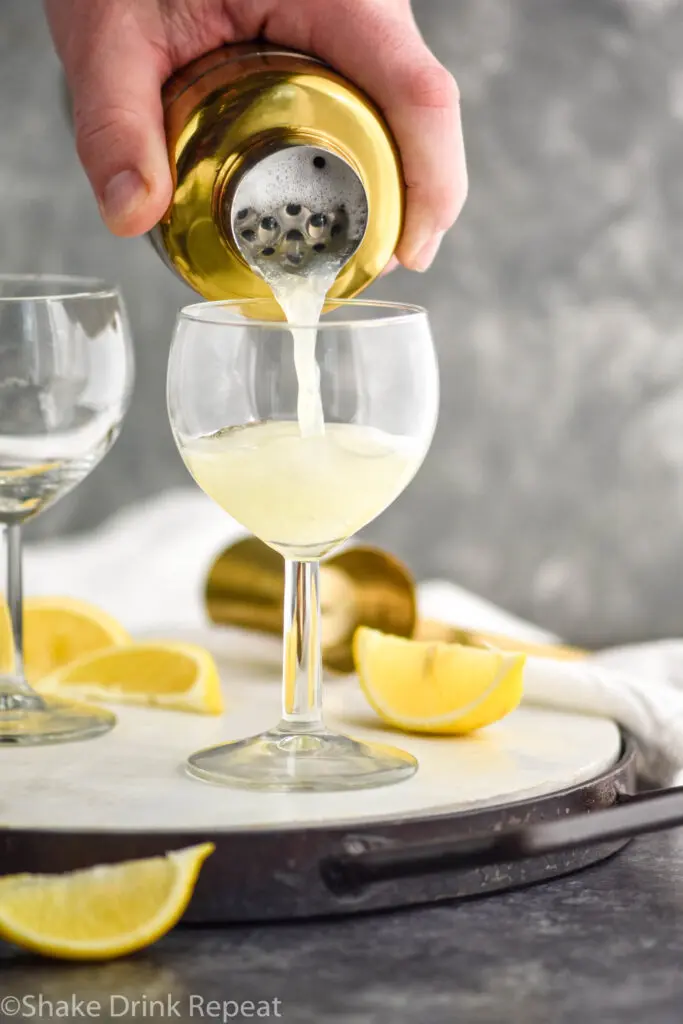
(360, 586)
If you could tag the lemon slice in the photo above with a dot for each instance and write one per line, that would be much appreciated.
(102, 912)
(420, 686)
(56, 631)
(182, 677)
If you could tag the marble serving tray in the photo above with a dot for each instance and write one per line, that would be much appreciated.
(126, 794)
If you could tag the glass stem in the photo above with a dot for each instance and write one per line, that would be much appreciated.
(15, 693)
(15, 596)
(302, 663)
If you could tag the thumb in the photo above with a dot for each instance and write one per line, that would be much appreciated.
(118, 119)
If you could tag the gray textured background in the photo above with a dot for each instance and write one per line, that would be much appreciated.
(555, 482)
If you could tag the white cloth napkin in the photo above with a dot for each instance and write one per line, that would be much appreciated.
(147, 566)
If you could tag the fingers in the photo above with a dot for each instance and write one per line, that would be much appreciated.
(115, 82)
(377, 44)
(115, 75)
(428, 131)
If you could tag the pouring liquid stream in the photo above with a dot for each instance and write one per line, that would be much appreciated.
(301, 300)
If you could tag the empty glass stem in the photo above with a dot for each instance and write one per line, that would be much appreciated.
(302, 666)
(15, 693)
(15, 597)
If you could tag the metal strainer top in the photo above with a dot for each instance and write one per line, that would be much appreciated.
(300, 210)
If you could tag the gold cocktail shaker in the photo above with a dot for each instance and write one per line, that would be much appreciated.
(275, 159)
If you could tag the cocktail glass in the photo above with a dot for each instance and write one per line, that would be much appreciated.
(234, 399)
(66, 375)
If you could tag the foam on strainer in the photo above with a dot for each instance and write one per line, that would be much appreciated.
(305, 176)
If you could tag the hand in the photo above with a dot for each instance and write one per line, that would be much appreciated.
(118, 53)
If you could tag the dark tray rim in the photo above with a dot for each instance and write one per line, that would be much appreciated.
(279, 873)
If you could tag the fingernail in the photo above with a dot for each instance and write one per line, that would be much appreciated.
(122, 196)
(426, 255)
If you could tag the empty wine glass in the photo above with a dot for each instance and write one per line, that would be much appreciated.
(66, 375)
(240, 406)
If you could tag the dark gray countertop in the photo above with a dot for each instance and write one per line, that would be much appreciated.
(603, 946)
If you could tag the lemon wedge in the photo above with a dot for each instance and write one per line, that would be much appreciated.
(56, 631)
(103, 912)
(419, 686)
(181, 677)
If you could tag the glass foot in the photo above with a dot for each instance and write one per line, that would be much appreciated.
(51, 721)
(283, 760)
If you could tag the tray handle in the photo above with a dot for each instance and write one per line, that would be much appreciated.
(644, 813)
